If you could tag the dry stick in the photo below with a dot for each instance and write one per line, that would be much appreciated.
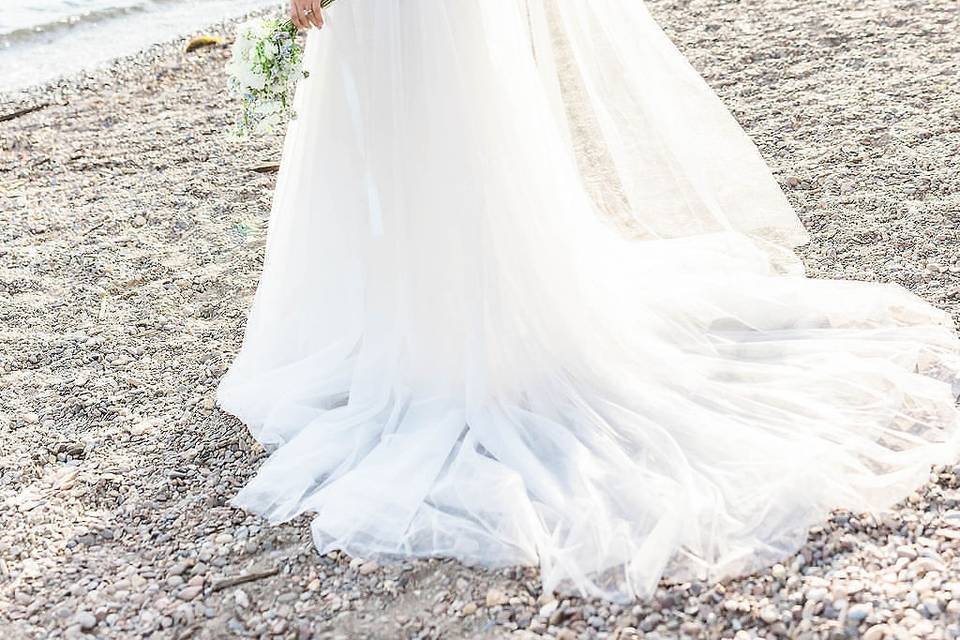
(188, 632)
(95, 227)
(23, 112)
(270, 167)
(226, 583)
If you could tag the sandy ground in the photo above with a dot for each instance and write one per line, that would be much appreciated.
(131, 237)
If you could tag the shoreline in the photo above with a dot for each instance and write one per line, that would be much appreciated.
(118, 69)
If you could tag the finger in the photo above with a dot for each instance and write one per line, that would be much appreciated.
(316, 18)
(295, 15)
(300, 20)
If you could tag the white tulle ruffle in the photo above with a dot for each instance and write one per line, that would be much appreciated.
(450, 353)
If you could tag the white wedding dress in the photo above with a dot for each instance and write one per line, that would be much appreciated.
(529, 298)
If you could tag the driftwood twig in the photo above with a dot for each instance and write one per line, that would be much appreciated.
(270, 167)
(22, 112)
(226, 583)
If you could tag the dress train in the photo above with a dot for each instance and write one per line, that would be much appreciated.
(451, 354)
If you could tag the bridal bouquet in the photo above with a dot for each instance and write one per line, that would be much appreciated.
(263, 71)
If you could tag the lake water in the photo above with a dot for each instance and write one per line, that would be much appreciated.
(41, 40)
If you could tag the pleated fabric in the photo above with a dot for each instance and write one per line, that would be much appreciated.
(529, 298)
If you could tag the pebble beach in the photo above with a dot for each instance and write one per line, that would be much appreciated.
(132, 232)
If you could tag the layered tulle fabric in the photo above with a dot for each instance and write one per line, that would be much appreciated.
(453, 353)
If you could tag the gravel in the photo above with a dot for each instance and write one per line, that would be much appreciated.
(132, 237)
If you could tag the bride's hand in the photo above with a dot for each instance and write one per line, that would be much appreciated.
(306, 14)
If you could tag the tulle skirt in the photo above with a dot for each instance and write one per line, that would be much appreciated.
(529, 298)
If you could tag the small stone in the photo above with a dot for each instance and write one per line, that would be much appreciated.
(769, 614)
(189, 593)
(778, 571)
(949, 534)
(650, 622)
(30, 418)
(932, 607)
(496, 598)
(547, 610)
(139, 221)
(908, 552)
(852, 587)
(223, 538)
(86, 620)
(368, 567)
(143, 427)
(859, 612)
(469, 609)
(876, 632)
(816, 594)
(923, 565)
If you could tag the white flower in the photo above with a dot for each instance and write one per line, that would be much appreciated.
(269, 107)
(264, 66)
(253, 79)
(269, 123)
